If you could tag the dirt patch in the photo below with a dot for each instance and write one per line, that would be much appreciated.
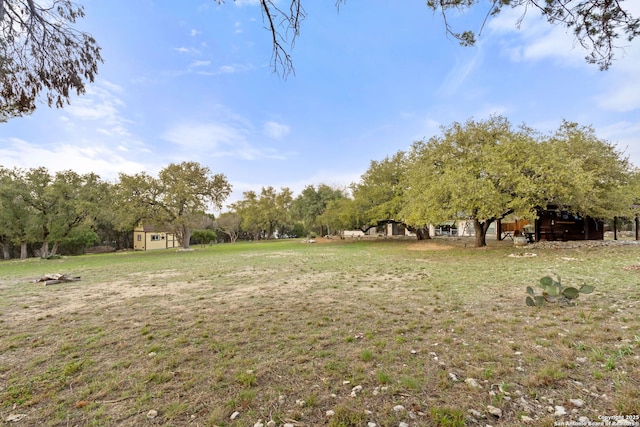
(323, 240)
(427, 245)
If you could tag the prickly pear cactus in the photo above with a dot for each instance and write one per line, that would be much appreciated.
(554, 292)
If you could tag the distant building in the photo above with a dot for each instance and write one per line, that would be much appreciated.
(146, 238)
(553, 223)
(557, 224)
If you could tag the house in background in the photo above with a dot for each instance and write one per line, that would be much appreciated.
(145, 238)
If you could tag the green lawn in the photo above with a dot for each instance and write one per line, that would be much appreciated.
(284, 331)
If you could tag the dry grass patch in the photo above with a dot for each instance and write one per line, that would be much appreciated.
(286, 332)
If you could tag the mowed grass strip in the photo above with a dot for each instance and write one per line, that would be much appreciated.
(286, 331)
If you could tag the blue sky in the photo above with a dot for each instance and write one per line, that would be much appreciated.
(193, 80)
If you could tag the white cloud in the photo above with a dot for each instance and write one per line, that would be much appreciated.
(83, 158)
(625, 135)
(205, 136)
(432, 126)
(622, 87)
(195, 64)
(275, 130)
(458, 75)
(230, 137)
(111, 87)
(225, 69)
(246, 2)
(87, 109)
(534, 38)
(617, 89)
(101, 108)
(186, 50)
(622, 97)
(118, 131)
(195, 32)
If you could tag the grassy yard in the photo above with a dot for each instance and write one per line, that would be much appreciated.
(335, 333)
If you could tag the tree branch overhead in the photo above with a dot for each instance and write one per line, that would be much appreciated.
(41, 54)
(597, 25)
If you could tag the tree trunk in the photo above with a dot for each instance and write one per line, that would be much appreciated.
(186, 237)
(426, 235)
(23, 250)
(422, 233)
(44, 251)
(481, 232)
(5, 251)
(54, 250)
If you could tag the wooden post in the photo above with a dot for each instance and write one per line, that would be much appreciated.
(586, 227)
(615, 228)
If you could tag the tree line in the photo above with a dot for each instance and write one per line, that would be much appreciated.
(481, 171)
(42, 213)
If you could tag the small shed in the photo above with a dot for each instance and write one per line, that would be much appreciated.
(147, 238)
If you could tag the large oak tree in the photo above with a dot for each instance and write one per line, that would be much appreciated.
(177, 199)
(486, 170)
(594, 175)
(481, 171)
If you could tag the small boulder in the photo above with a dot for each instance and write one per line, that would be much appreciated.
(471, 382)
(578, 403)
(560, 411)
(496, 412)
